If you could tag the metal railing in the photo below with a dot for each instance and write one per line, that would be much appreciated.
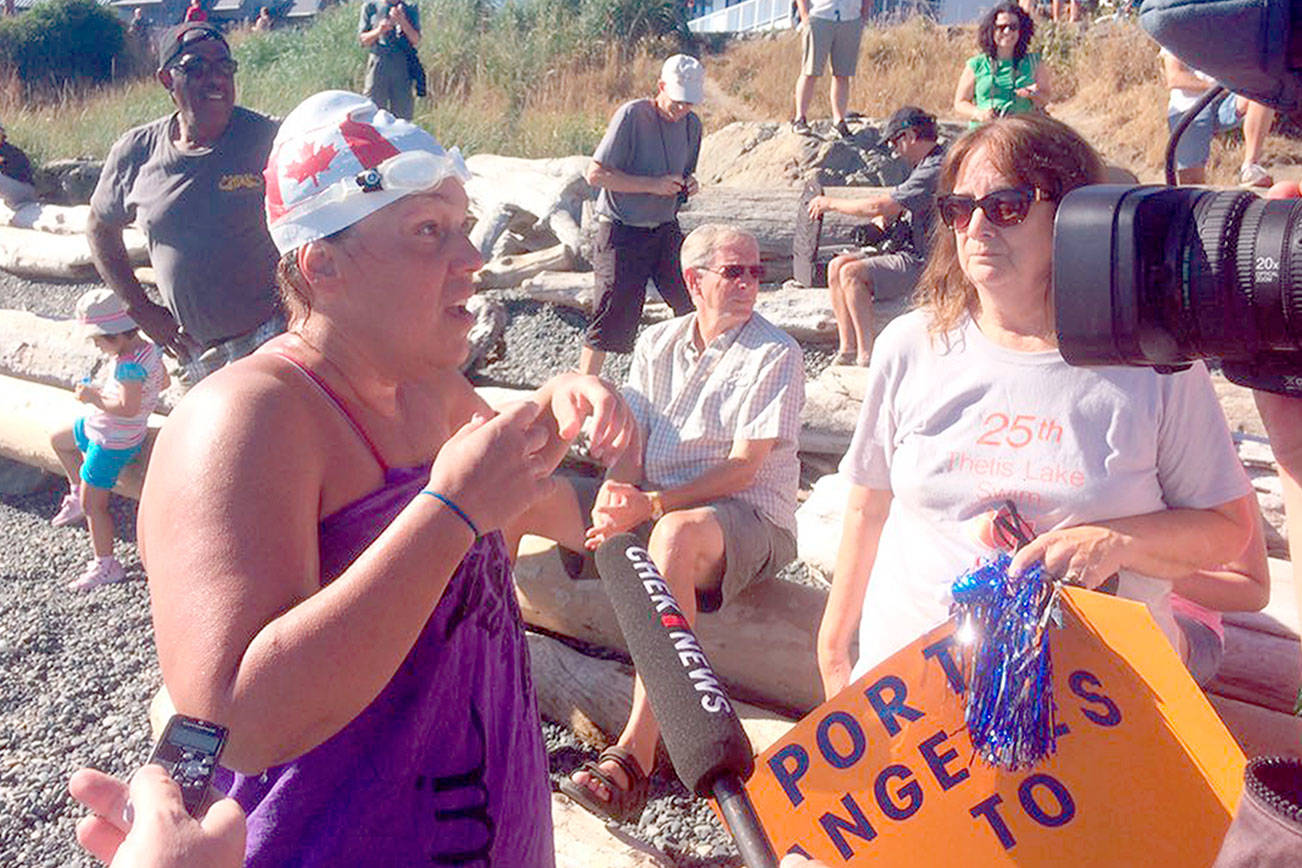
(745, 17)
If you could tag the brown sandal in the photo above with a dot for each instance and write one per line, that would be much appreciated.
(624, 805)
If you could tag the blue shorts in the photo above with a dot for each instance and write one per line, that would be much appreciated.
(1196, 144)
(102, 465)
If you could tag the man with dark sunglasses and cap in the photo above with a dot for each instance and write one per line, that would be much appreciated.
(855, 279)
(192, 181)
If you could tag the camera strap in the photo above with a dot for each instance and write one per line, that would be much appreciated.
(664, 149)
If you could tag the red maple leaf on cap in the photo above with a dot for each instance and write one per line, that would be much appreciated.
(311, 163)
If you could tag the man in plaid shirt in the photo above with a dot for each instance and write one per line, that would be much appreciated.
(717, 394)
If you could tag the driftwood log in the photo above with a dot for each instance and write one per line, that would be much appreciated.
(61, 219)
(770, 215)
(593, 696)
(32, 253)
(508, 271)
(552, 190)
(761, 645)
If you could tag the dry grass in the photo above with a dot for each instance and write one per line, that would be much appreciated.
(1115, 96)
(897, 65)
(1107, 83)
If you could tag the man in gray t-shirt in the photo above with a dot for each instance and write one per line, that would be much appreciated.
(391, 30)
(855, 279)
(644, 168)
(192, 181)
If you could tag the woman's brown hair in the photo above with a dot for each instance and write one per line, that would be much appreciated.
(293, 289)
(1030, 150)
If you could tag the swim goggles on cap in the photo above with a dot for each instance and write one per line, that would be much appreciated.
(413, 171)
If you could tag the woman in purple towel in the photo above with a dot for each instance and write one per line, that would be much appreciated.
(323, 525)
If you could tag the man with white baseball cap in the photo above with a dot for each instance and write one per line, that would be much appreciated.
(645, 168)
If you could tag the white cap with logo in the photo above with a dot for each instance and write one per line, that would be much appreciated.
(684, 79)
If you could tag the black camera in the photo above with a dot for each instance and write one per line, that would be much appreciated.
(1160, 276)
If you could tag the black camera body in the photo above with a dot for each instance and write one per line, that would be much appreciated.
(1160, 276)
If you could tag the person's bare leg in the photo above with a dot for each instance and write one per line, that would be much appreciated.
(856, 283)
(557, 517)
(804, 93)
(591, 360)
(840, 97)
(94, 502)
(687, 546)
(846, 345)
(65, 447)
(1057, 9)
(1257, 119)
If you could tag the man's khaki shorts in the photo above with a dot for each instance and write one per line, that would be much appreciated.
(754, 548)
(893, 275)
(839, 39)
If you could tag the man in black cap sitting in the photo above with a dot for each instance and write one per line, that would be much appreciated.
(855, 279)
(192, 181)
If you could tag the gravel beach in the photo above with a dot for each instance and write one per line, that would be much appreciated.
(79, 669)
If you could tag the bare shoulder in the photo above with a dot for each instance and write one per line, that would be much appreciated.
(252, 409)
(227, 450)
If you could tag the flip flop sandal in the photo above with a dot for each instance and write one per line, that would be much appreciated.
(843, 359)
(625, 805)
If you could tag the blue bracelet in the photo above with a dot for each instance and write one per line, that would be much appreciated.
(461, 513)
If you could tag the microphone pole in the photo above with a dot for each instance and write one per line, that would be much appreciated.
(701, 732)
(742, 822)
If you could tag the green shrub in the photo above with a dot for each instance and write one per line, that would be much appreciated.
(62, 41)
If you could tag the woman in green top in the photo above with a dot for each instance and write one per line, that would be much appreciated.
(1004, 78)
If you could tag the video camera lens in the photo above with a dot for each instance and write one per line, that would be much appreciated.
(1160, 276)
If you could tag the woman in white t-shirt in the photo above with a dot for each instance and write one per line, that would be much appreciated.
(969, 404)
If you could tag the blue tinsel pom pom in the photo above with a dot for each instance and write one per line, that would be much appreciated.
(1009, 674)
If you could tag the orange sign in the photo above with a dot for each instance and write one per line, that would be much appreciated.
(1145, 772)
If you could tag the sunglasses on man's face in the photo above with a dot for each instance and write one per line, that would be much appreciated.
(1002, 207)
(194, 66)
(736, 272)
(1008, 28)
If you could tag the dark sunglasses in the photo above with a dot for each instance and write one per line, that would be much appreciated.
(1011, 28)
(1002, 207)
(197, 67)
(735, 272)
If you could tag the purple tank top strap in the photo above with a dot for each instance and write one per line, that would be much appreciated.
(329, 395)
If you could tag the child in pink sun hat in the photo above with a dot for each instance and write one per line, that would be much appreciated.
(95, 448)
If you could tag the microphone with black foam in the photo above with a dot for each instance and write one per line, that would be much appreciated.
(702, 734)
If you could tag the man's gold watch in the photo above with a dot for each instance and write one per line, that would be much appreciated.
(657, 505)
